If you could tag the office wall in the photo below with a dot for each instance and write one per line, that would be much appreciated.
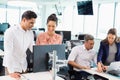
(97, 44)
(105, 16)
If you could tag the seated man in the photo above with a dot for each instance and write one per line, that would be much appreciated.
(81, 57)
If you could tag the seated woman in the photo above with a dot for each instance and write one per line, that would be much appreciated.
(109, 51)
(50, 37)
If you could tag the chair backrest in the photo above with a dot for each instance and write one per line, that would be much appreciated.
(29, 60)
(70, 68)
(76, 43)
(35, 35)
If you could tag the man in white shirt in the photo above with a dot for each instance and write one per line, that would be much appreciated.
(17, 40)
(81, 57)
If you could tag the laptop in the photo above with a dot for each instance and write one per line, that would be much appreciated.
(114, 68)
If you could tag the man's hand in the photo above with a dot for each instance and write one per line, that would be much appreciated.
(15, 75)
(101, 68)
(105, 68)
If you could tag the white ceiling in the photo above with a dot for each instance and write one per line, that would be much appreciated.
(58, 1)
(37, 1)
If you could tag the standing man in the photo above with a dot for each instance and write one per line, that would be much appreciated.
(17, 40)
(81, 57)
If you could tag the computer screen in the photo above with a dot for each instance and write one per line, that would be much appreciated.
(65, 34)
(85, 7)
(81, 36)
(3, 27)
(40, 59)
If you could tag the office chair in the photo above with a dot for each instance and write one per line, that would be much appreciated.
(71, 72)
(29, 60)
(2, 72)
(35, 36)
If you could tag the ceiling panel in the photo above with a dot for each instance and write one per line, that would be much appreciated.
(58, 1)
(3, 1)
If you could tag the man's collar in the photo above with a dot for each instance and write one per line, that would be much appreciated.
(20, 27)
(84, 47)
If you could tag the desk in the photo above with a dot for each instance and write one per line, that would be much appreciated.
(33, 76)
(108, 76)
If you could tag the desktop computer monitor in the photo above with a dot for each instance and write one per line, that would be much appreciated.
(65, 34)
(3, 27)
(85, 7)
(40, 59)
(81, 36)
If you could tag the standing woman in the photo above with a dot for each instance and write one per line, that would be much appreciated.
(109, 50)
(50, 37)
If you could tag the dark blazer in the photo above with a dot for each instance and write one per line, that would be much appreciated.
(104, 51)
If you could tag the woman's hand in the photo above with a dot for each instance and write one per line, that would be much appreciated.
(15, 75)
(100, 67)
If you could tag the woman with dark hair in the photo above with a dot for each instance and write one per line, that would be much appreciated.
(50, 37)
(109, 50)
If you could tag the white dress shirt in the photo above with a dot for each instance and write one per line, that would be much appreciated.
(82, 56)
(16, 42)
